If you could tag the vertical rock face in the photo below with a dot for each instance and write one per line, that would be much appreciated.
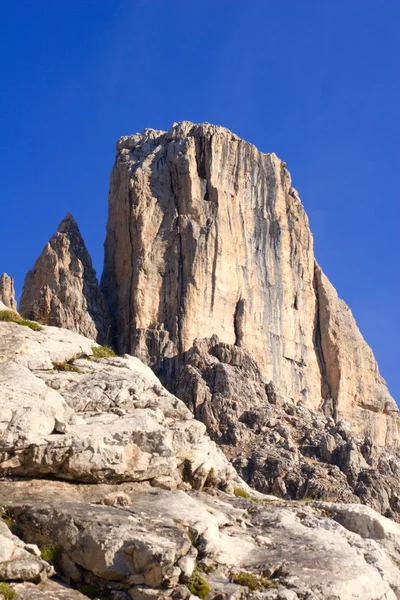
(350, 371)
(62, 288)
(207, 237)
(7, 293)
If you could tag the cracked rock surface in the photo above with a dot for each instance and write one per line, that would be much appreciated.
(62, 289)
(110, 477)
(279, 446)
(206, 236)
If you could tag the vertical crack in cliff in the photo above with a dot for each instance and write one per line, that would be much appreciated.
(329, 406)
(214, 267)
(180, 290)
(180, 285)
(238, 325)
(203, 161)
(131, 312)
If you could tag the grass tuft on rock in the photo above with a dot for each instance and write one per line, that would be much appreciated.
(198, 586)
(7, 592)
(10, 316)
(241, 493)
(51, 554)
(9, 521)
(67, 366)
(211, 479)
(102, 352)
(252, 582)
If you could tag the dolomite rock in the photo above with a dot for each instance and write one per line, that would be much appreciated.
(141, 550)
(207, 236)
(359, 392)
(279, 446)
(48, 590)
(20, 561)
(101, 420)
(7, 292)
(92, 438)
(62, 289)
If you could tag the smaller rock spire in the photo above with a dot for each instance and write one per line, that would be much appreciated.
(62, 289)
(7, 292)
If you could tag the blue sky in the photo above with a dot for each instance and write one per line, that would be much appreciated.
(317, 82)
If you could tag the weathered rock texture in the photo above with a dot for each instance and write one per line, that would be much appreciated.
(279, 446)
(94, 421)
(125, 493)
(7, 292)
(62, 289)
(206, 236)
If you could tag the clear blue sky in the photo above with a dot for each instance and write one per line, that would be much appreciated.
(317, 82)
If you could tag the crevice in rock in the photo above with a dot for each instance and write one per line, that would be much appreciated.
(328, 406)
(238, 321)
(131, 241)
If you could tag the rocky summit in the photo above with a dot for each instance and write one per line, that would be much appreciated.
(62, 288)
(7, 292)
(232, 438)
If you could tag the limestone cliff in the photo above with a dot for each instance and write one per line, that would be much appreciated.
(62, 289)
(7, 292)
(207, 236)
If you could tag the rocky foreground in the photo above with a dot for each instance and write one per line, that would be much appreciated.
(110, 488)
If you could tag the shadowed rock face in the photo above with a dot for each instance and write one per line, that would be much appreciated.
(62, 288)
(279, 446)
(207, 237)
(7, 293)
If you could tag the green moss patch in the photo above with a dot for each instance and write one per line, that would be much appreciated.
(198, 586)
(240, 493)
(66, 366)
(7, 592)
(252, 582)
(51, 554)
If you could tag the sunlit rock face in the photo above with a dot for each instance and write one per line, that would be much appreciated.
(62, 288)
(206, 236)
(7, 292)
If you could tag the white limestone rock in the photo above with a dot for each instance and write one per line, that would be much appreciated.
(109, 420)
